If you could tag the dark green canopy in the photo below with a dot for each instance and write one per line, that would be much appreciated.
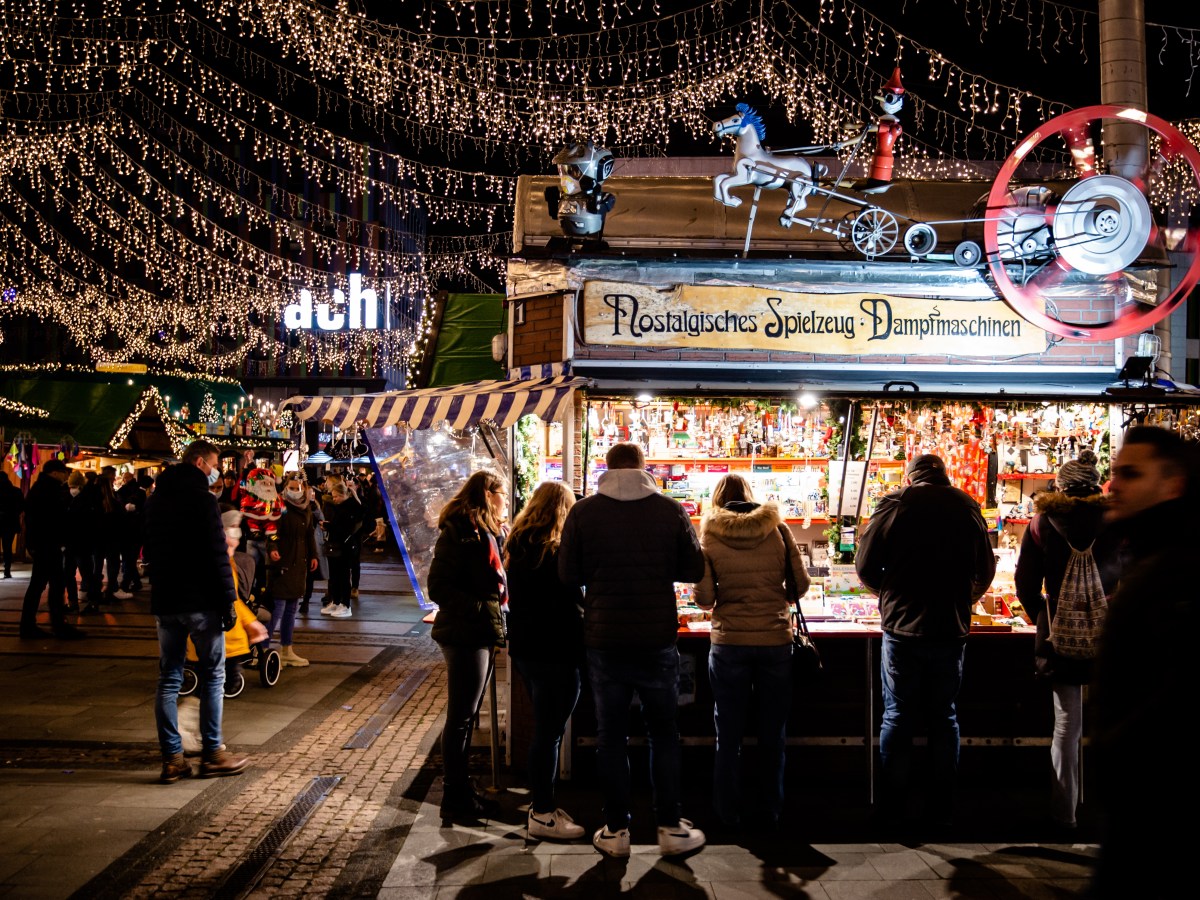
(89, 407)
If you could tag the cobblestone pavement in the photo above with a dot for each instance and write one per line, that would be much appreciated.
(82, 816)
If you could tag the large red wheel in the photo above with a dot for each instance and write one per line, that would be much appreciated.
(1101, 227)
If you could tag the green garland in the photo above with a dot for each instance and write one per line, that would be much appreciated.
(525, 462)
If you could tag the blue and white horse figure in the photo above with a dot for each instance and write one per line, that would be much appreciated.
(754, 165)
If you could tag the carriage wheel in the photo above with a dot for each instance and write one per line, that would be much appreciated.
(874, 231)
(269, 666)
(235, 683)
(1100, 227)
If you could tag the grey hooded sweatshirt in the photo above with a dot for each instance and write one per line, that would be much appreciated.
(627, 545)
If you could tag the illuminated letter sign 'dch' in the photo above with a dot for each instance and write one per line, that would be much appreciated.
(363, 309)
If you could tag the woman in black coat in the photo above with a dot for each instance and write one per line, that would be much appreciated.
(1070, 517)
(294, 556)
(545, 642)
(467, 582)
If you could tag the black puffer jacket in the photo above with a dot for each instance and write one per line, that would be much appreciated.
(185, 545)
(465, 586)
(46, 514)
(1043, 561)
(545, 616)
(926, 554)
(627, 545)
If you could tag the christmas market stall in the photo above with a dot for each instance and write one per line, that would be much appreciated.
(818, 350)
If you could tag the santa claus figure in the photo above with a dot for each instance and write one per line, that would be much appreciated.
(261, 506)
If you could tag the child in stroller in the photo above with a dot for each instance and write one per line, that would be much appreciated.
(247, 643)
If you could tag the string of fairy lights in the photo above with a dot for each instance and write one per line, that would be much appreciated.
(173, 173)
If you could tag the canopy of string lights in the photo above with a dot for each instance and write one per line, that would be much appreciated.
(174, 172)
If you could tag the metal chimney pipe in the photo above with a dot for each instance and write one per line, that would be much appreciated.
(1123, 83)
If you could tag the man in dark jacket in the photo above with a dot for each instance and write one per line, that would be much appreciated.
(1145, 688)
(926, 553)
(191, 595)
(46, 540)
(626, 546)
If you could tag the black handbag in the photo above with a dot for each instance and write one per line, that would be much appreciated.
(806, 659)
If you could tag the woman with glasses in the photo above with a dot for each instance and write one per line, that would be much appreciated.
(468, 583)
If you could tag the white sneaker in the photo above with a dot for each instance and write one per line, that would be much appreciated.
(328, 608)
(340, 612)
(610, 844)
(557, 826)
(122, 595)
(681, 839)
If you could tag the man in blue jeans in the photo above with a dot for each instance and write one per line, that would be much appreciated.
(927, 554)
(191, 595)
(626, 546)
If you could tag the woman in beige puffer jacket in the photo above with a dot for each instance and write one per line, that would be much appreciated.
(745, 554)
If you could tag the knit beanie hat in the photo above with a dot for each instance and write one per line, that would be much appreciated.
(1079, 477)
(928, 468)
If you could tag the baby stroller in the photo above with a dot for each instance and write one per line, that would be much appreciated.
(247, 645)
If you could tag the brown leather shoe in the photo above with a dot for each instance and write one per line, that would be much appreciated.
(215, 763)
(174, 768)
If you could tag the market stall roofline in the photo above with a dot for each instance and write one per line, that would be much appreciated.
(460, 405)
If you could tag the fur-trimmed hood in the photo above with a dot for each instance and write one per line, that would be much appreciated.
(1056, 503)
(742, 529)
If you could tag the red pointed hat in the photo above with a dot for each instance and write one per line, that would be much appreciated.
(894, 85)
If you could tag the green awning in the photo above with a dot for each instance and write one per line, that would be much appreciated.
(464, 341)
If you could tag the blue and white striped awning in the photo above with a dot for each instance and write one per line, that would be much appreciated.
(460, 405)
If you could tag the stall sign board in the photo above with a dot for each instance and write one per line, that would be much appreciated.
(855, 476)
(855, 324)
(717, 467)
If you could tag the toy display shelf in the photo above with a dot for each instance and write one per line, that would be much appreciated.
(1025, 476)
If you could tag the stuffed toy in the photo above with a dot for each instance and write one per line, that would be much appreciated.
(261, 506)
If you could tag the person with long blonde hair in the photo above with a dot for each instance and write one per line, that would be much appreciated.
(545, 643)
(468, 584)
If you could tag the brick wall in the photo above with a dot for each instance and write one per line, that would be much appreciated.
(539, 339)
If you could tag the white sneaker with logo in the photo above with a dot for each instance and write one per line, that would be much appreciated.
(614, 844)
(681, 839)
(340, 612)
(554, 826)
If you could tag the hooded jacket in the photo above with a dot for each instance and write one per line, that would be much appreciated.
(627, 545)
(1062, 522)
(926, 553)
(745, 556)
(185, 546)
